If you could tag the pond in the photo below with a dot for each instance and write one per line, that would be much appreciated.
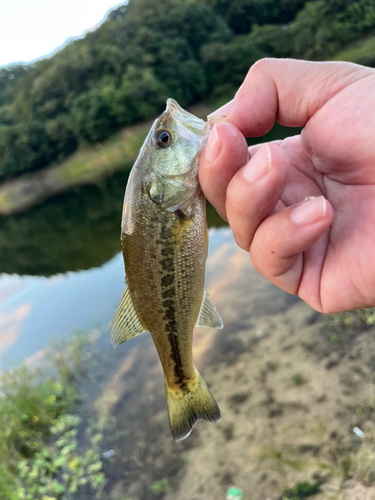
(296, 388)
(62, 270)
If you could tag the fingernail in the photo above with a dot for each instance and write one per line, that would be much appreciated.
(259, 166)
(221, 113)
(213, 147)
(312, 210)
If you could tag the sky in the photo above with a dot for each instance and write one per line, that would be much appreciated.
(31, 29)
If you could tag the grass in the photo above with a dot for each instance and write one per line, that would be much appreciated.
(357, 320)
(85, 166)
(120, 151)
(159, 487)
(42, 456)
(53, 439)
(342, 328)
(360, 52)
(302, 490)
(297, 379)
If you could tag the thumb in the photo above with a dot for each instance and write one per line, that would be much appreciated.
(285, 90)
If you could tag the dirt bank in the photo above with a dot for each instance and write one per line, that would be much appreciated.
(291, 385)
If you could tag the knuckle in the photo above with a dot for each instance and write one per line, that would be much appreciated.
(264, 64)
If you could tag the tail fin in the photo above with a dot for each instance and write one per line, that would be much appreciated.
(188, 404)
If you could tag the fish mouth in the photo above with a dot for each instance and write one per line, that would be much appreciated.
(191, 122)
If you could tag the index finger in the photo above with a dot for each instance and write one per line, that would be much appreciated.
(285, 90)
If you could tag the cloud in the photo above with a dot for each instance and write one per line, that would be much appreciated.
(10, 326)
(30, 29)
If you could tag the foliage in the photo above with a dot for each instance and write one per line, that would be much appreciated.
(117, 75)
(61, 469)
(302, 490)
(91, 116)
(8, 79)
(298, 379)
(361, 52)
(161, 486)
(352, 321)
(138, 96)
(242, 14)
(41, 455)
(146, 51)
(322, 28)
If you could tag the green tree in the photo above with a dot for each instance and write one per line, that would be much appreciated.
(241, 15)
(139, 96)
(91, 117)
(147, 51)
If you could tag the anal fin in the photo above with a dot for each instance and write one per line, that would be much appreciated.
(208, 316)
(125, 324)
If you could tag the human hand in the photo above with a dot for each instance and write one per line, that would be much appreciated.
(322, 249)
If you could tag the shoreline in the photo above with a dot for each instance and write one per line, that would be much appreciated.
(86, 166)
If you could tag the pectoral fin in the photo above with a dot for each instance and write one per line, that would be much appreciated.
(125, 324)
(208, 316)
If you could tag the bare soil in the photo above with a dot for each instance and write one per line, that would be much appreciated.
(291, 387)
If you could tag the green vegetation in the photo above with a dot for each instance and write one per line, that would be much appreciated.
(342, 328)
(354, 320)
(46, 450)
(354, 456)
(161, 486)
(146, 51)
(298, 379)
(302, 490)
(362, 52)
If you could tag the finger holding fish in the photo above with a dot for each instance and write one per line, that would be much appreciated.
(261, 200)
(226, 152)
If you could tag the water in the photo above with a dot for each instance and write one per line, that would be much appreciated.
(61, 270)
(61, 267)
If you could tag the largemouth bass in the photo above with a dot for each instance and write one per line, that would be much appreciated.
(164, 244)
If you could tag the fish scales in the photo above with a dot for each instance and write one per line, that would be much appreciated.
(168, 294)
(164, 247)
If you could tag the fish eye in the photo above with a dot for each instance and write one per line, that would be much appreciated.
(163, 139)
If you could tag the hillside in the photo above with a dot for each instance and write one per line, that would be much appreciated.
(121, 73)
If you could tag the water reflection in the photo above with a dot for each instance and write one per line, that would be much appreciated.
(67, 250)
(69, 232)
(34, 309)
(38, 309)
(75, 230)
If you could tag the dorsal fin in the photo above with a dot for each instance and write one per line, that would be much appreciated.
(125, 324)
(208, 316)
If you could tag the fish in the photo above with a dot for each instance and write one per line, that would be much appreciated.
(164, 244)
